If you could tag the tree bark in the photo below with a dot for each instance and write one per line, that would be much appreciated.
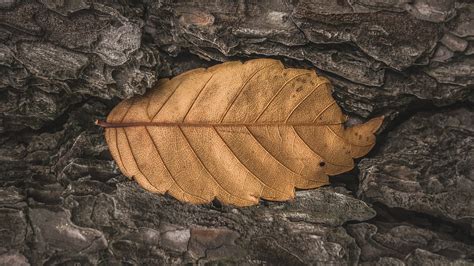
(64, 64)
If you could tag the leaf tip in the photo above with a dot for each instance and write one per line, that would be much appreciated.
(376, 123)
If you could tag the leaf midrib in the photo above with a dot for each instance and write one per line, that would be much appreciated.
(188, 124)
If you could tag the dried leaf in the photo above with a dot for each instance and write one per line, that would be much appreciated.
(236, 132)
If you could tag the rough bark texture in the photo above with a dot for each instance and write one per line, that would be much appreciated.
(64, 64)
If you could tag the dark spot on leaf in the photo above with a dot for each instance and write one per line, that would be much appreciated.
(216, 204)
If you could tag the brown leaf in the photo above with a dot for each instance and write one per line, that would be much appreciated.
(235, 132)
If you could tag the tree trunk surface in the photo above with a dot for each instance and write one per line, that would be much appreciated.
(64, 64)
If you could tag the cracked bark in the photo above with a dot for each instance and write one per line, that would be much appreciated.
(63, 65)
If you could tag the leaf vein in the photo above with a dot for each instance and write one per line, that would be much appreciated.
(168, 170)
(116, 137)
(197, 96)
(278, 92)
(242, 88)
(135, 160)
(267, 151)
(306, 97)
(118, 151)
(324, 110)
(345, 140)
(167, 99)
(309, 147)
(236, 157)
(205, 168)
(128, 109)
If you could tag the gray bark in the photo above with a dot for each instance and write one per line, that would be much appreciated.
(64, 64)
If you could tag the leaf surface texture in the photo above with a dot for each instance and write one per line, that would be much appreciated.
(237, 132)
